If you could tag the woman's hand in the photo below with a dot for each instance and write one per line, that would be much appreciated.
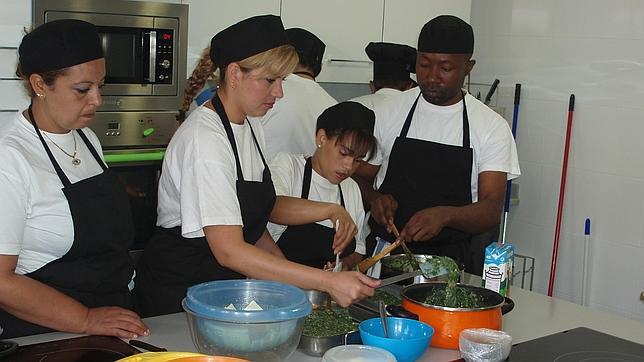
(345, 228)
(114, 321)
(347, 287)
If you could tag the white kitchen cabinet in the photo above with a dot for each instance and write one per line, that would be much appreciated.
(207, 17)
(14, 18)
(346, 27)
(403, 19)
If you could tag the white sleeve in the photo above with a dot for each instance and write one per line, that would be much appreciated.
(353, 204)
(13, 211)
(282, 168)
(283, 173)
(208, 186)
(360, 221)
(499, 153)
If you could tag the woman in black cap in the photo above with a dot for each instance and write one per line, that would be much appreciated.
(64, 261)
(216, 195)
(344, 138)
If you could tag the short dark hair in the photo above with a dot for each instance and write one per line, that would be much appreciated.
(350, 121)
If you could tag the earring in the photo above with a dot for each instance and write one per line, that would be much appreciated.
(40, 95)
(319, 146)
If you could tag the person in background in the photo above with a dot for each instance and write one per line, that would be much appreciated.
(216, 194)
(392, 64)
(290, 125)
(443, 156)
(66, 221)
(344, 138)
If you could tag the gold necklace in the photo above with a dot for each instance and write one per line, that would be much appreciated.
(75, 160)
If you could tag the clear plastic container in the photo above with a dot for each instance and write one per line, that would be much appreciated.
(484, 345)
(269, 334)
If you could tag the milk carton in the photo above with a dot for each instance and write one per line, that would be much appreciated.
(497, 268)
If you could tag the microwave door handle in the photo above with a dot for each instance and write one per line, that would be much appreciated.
(153, 56)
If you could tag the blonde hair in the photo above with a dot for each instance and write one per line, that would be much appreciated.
(204, 71)
(279, 61)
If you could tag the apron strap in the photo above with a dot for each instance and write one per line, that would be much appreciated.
(266, 175)
(466, 124)
(306, 183)
(410, 115)
(219, 108)
(61, 175)
(92, 149)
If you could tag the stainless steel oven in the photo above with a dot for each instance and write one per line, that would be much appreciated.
(145, 45)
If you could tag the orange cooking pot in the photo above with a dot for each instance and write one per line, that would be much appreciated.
(449, 322)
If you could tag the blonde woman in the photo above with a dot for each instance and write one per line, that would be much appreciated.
(216, 195)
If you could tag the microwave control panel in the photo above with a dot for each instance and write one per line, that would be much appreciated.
(164, 61)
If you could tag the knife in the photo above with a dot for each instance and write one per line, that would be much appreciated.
(146, 346)
(399, 277)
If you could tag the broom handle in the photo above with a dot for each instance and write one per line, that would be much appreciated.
(562, 190)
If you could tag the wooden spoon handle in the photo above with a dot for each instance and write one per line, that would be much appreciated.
(369, 262)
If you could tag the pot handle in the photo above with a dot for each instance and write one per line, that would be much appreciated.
(398, 311)
(507, 306)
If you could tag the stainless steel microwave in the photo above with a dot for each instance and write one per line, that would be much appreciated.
(145, 45)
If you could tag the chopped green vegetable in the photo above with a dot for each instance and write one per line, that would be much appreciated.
(454, 297)
(387, 298)
(326, 322)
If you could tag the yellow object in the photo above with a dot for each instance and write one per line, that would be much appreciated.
(178, 357)
(159, 356)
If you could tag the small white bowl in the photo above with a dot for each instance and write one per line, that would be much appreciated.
(358, 353)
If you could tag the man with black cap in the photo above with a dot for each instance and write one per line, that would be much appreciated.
(290, 125)
(443, 156)
(392, 64)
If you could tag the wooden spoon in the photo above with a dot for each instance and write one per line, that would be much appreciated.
(369, 262)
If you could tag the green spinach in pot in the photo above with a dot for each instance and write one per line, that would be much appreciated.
(452, 296)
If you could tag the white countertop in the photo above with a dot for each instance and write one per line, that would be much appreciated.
(534, 315)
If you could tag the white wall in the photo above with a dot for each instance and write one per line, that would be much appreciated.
(594, 49)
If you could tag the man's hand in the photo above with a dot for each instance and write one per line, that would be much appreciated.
(426, 223)
(383, 209)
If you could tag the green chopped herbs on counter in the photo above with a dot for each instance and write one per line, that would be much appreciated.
(386, 297)
(326, 322)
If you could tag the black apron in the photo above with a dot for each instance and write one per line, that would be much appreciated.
(423, 174)
(171, 263)
(97, 268)
(311, 244)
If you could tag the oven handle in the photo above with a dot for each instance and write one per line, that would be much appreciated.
(152, 74)
(134, 157)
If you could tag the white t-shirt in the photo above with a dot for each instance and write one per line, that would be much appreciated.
(382, 94)
(36, 220)
(490, 135)
(287, 171)
(290, 125)
(197, 187)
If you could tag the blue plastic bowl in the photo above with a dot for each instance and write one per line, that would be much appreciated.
(408, 338)
(269, 334)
